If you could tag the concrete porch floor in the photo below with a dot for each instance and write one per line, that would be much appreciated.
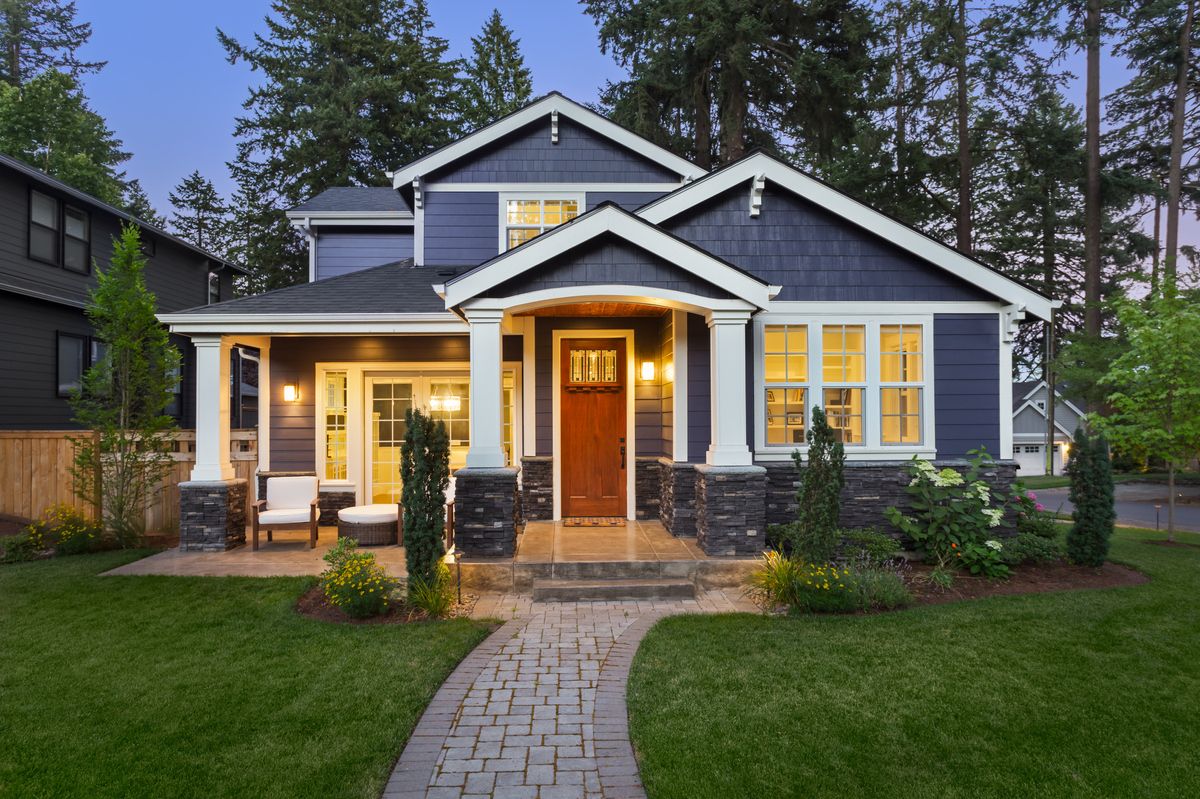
(545, 550)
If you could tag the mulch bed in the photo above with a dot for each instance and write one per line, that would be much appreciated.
(11, 525)
(312, 603)
(1029, 578)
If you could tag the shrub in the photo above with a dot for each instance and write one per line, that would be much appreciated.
(435, 596)
(868, 546)
(354, 582)
(1029, 547)
(985, 558)
(774, 583)
(801, 586)
(1092, 495)
(880, 586)
(1032, 516)
(819, 496)
(24, 546)
(68, 530)
(425, 472)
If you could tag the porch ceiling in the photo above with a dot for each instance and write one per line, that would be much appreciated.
(622, 309)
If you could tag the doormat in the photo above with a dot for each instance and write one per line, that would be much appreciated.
(593, 521)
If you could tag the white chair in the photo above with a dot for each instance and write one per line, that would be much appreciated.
(291, 504)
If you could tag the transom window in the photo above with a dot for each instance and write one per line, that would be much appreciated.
(526, 218)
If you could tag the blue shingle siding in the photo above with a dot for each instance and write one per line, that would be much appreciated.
(699, 414)
(608, 260)
(629, 200)
(812, 253)
(966, 352)
(342, 253)
(461, 227)
(528, 156)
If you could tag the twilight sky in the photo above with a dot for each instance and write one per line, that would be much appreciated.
(171, 97)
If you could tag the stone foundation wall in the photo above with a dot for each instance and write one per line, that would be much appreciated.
(212, 515)
(647, 484)
(485, 512)
(782, 482)
(677, 509)
(331, 499)
(731, 509)
(537, 488)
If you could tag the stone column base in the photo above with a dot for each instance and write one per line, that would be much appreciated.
(537, 488)
(647, 487)
(212, 515)
(731, 509)
(677, 511)
(331, 498)
(485, 512)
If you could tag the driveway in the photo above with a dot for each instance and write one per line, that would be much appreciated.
(1135, 504)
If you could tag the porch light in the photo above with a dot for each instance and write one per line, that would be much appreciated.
(291, 392)
(449, 403)
(647, 370)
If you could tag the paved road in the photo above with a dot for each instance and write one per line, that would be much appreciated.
(1135, 504)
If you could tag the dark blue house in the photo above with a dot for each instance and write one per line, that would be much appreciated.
(609, 330)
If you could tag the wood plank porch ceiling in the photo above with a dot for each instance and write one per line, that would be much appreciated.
(597, 309)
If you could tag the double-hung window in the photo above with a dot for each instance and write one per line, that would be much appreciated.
(73, 361)
(527, 217)
(901, 383)
(785, 372)
(844, 376)
(59, 234)
(44, 226)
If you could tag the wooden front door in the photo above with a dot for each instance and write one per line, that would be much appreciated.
(592, 415)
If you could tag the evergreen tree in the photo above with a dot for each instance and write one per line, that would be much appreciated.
(496, 80)
(819, 497)
(40, 36)
(1091, 493)
(425, 473)
(48, 123)
(137, 204)
(261, 239)
(200, 215)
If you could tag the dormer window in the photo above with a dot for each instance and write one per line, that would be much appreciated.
(527, 216)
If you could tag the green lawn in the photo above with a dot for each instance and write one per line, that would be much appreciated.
(1088, 693)
(1061, 481)
(205, 687)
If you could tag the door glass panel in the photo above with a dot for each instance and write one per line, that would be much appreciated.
(450, 402)
(336, 460)
(389, 400)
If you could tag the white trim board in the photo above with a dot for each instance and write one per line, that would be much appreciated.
(1042, 384)
(503, 197)
(756, 165)
(589, 187)
(630, 409)
(537, 111)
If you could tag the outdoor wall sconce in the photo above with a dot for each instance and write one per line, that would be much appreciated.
(647, 370)
(291, 392)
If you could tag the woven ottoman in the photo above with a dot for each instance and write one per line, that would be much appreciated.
(369, 525)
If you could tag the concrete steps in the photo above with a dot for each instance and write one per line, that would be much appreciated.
(611, 590)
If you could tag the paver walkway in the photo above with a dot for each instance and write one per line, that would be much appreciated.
(538, 710)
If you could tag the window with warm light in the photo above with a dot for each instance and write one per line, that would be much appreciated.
(785, 373)
(844, 362)
(528, 218)
(901, 380)
(335, 426)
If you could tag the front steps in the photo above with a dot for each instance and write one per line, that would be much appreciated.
(612, 590)
(504, 575)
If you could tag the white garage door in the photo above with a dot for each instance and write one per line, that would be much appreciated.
(1031, 458)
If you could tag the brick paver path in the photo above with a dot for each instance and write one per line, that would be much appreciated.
(538, 710)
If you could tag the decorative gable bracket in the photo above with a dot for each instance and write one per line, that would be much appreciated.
(554, 126)
(418, 191)
(756, 193)
(1013, 316)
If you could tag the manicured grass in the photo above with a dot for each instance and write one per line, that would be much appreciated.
(205, 687)
(1087, 693)
(1062, 481)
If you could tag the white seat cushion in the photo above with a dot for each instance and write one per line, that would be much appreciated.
(291, 492)
(369, 514)
(283, 516)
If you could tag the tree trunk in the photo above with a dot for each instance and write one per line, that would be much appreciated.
(963, 238)
(1171, 501)
(1157, 245)
(1175, 171)
(1091, 201)
(1048, 369)
(733, 117)
(702, 108)
(901, 102)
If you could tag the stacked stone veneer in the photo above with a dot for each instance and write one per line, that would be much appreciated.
(677, 505)
(537, 488)
(486, 512)
(212, 515)
(647, 484)
(731, 509)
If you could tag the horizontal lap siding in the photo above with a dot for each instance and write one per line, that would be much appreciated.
(812, 253)
(629, 200)
(461, 227)
(528, 156)
(342, 253)
(698, 387)
(28, 362)
(966, 351)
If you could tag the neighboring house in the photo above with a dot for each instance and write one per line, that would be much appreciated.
(51, 239)
(1030, 422)
(609, 331)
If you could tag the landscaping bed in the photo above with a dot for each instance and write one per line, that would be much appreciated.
(1031, 578)
(314, 604)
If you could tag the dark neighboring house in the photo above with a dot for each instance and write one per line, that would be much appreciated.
(52, 238)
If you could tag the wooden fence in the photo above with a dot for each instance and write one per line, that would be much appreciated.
(35, 473)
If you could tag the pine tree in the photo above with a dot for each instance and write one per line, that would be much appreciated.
(40, 36)
(261, 240)
(1091, 493)
(425, 473)
(137, 204)
(819, 497)
(496, 80)
(200, 215)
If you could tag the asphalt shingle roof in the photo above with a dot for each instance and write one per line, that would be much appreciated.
(393, 288)
(371, 199)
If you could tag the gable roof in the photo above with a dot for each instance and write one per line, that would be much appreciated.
(607, 217)
(371, 199)
(1023, 395)
(83, 197)
(759, 166)
(534, 111)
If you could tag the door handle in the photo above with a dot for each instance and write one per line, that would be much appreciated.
(622, 456)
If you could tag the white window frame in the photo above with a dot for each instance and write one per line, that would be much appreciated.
(541, 196)
(921, 385)
(872, 447)
(785, 385)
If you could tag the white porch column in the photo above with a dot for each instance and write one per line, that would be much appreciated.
(212, 410)
(728, 376)
(487, 395)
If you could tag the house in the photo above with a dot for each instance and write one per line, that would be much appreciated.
(51, 237)
(1030, 422)
(608, 330)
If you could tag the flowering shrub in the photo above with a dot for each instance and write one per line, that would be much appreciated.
(354, 582)
(1032, 516)
(804, 587)
(66, 530)
(951, 512)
